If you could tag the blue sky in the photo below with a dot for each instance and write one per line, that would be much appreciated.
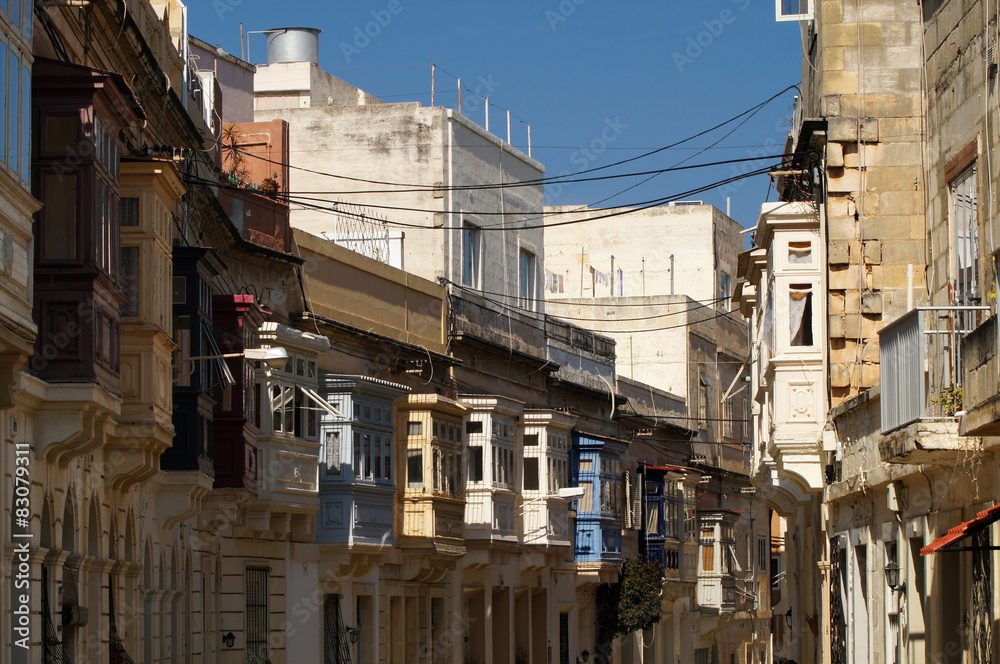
(598, 81)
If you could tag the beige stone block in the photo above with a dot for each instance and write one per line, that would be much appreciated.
(870, 324)
(855, 251)
(837, 301)
(904, 251)
(873, 252)
(838, 252)
(899, 129)
(871, 351)
(844, 277)
(843, 179)
(853, 326)
(832, 12)
(836, 326)
(842, 228)
(870, 375)
(843, 129)
(852, 302)
(886, 227)
(833, 59)
(890, 178)
(871, 303)
(840, 375)
(843, 351)
(835, 155)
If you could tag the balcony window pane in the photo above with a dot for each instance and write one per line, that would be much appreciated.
(130, 281)
(13, 128)
(473, 427)
(475, 464)
(530, 439)
(59, 235)
(414, 428)
(387, 457)
(377, 466)
(531, 474)
(359, 471)
(800, 315)
(333, 453)
(415, 469)
(26, 125)
(799, 253)
(587, 500)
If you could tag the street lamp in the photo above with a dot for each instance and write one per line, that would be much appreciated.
(354, 633)
(229, 639)
(584, 656)
(788, 618)
(892, 577)
(275, 357)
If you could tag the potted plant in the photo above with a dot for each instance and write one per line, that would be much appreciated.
(813, 621)
(270, 187)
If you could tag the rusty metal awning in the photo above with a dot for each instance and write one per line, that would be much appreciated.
(965, 529)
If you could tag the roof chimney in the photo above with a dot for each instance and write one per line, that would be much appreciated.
(292, 45)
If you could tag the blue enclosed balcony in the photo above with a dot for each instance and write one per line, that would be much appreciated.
(597, 469)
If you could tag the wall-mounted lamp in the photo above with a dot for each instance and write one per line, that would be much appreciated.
(354, 633)
(275, 357)
(229, 639)
(788, 618)
(584, 656)
(892, 577)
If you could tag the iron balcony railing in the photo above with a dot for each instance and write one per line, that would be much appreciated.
(921, 364)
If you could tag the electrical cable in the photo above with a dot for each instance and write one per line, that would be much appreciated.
(542, 180)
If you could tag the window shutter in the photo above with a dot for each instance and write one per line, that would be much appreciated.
(627, 489)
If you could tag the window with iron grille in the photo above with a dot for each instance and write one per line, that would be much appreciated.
(257, 579)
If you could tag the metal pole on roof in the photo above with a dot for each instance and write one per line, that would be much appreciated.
(433, 72)
(529, 140)
(459, 96)
(508, 126)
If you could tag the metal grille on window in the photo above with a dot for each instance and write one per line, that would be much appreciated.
(52, 650)
(838, 621)
(336, 645)
(257, 614)
(118, 653)
(982, 598)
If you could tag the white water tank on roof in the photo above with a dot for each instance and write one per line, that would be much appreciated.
(292, 45)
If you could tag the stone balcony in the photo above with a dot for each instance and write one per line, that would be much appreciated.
(981, 387)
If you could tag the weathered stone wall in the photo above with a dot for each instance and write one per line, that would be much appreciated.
(863, 75)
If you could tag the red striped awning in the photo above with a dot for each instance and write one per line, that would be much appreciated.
(963, 530)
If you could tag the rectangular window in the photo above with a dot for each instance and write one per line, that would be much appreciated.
(359, 455)
(965, 256)
(415, 469)
(475, 464)
(13, 129)
(530, 439)
(799, 253)
(527, 280)
(3, 100)
(472, 241)
(586, 465)
(793, 10)
(725, 284)
(473, 427)
(26, 123)
(257, 613)
(800, 315)
(531, 474)
(387, 458)
(729, 416)
(59, 232)
(415, 428)
(130, 281)
(333, 453)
